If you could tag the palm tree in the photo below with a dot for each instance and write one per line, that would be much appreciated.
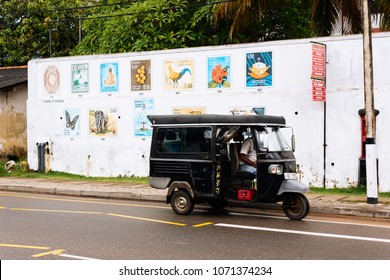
(242, 14)
(330, 15)
(261, 20)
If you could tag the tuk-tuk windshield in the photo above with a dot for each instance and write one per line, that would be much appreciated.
(271, 139)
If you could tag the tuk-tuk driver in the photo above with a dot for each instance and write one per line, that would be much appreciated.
(248, 156)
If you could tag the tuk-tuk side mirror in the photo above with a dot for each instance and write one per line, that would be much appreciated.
(263, 141)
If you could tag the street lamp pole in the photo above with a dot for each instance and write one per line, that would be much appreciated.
(371, 157)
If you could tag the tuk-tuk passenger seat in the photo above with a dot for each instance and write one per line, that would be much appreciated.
(171, 143)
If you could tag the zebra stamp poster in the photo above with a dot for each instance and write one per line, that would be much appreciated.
(103, 122)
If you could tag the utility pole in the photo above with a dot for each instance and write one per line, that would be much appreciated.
(50, 50)
(371, 157)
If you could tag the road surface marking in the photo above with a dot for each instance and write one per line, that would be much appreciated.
(2, 207)
(203, 224)
(25, 246)
(56, 211)
(306, 233)
(85, 201)
(147, 219)
(307, 220)
(55, 252)
(76, 257)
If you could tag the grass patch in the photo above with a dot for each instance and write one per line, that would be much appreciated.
(355, 191)
(21, 172)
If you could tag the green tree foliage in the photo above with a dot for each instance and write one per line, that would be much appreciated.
(25, 26)
(148, 25)
(260, 20)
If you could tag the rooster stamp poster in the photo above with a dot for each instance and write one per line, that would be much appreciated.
(140, 75)
(142, 125)
(109, 77)
(80, 81)
(71, 119)
(178, 74)
(103, 122)
(259, 69)
(218, 72)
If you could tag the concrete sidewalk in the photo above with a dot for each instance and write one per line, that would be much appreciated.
(327, 204)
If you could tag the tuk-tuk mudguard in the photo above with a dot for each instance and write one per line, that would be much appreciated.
(177, 185)
(292, 186)
(159, 182)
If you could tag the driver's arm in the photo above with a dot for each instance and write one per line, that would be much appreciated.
(246, 159)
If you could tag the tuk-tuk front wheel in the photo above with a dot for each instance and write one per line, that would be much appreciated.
(296, 206)
(181, 202)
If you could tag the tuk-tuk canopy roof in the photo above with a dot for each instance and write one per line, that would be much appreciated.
(217, 119)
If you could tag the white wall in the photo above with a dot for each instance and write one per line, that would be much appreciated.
(289, 95)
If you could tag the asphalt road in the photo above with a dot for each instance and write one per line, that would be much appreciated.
(59, 227)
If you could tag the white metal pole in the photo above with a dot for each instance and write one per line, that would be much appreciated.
(371, 156)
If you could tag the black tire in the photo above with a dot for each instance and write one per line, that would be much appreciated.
(182, 203)
(218, 204)
(296, 206)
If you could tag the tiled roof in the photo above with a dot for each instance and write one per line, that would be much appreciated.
(11, 76)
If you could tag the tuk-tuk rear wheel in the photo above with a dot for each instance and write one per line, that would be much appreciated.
(296, 206)
(182, 203)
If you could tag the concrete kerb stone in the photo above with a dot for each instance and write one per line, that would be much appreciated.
(319, 203)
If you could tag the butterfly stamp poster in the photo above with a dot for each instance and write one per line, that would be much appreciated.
(71, 122)
(103, 122)
(179, 74)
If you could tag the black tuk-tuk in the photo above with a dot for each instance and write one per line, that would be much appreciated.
(197, 158)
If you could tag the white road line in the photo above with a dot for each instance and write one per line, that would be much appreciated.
(305, 233)
(307, 220)
(75, 257)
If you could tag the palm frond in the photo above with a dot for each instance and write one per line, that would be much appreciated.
(242, 13)
(325, 15)
(383, 9)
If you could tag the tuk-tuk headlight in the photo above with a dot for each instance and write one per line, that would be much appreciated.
(275, 169)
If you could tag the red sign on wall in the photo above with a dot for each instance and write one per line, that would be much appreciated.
(319, 90)
(318, 72)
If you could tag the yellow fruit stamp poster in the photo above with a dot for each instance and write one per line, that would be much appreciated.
(103, 122)
(141, 75)
(179, 74)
